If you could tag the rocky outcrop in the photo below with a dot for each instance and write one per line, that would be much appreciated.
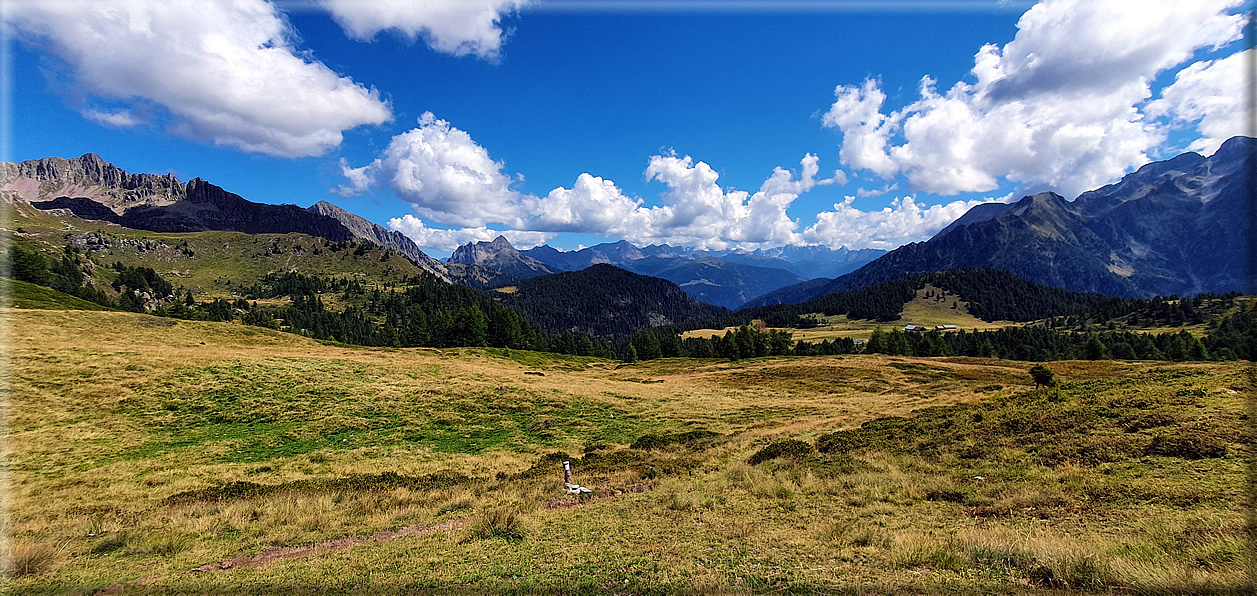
(91, 188)
(88, 177)
(381, 236)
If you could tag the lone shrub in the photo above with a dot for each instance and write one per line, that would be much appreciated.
(1042, 376)
(787, 448)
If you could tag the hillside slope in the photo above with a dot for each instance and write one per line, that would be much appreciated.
(605, 301)
(90, 188)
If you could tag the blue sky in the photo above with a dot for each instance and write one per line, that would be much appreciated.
(576, 122)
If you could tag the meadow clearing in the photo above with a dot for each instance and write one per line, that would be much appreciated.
(928, 308)
(152, 455)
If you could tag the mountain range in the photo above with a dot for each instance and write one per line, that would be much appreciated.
(1180, 226)
(91, 188)
(722, 278)
(1176, 227)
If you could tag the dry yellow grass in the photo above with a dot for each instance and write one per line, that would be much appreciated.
(112, 413)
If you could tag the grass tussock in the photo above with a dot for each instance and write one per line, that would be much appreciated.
(456, 505)
(498, 522)
(31, 559)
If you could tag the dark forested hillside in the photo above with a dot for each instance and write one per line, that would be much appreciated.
(605, 301)
(422, 311)
(992, 295)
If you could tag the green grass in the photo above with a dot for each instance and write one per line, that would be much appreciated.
(211, 264)
(27, 295)
(141, 451)
(919, 311)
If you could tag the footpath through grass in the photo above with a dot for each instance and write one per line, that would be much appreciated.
(144, 448)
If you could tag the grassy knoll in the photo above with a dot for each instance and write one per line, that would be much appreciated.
(141, 448)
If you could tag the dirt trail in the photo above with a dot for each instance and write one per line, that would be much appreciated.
(271, 554)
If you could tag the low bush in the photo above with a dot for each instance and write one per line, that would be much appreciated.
(665, 440)
(793, 448)
(843, 441)
(1189, 443)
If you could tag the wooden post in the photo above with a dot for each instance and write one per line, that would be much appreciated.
(567, 472)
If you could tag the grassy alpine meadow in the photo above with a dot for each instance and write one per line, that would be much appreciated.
(929, 308)
(148, 455)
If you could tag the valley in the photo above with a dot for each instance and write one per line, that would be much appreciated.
(288, 411)
(645, 297)
(928, 308)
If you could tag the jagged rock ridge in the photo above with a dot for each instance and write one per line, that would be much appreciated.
(499, 256)
(91, 188)
(384, 237)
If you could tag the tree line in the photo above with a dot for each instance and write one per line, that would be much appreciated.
(421, 310)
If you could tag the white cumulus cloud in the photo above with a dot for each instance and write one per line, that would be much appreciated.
(903, 221)
(458, 27)
(444, 174)
(450, 179)
(226, 72)
(1209, 94)
(1060, 106)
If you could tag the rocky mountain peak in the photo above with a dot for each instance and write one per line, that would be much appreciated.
(1177, 226)
(500, 256)
(88, 177)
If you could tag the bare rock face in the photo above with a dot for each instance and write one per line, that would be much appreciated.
(390, 239)
(88, 177)
(91, 188)
(501, 257)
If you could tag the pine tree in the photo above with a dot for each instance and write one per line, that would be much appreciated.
(874, 345)
(1042, 376)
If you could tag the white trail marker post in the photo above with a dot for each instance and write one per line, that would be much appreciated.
(574, 489)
